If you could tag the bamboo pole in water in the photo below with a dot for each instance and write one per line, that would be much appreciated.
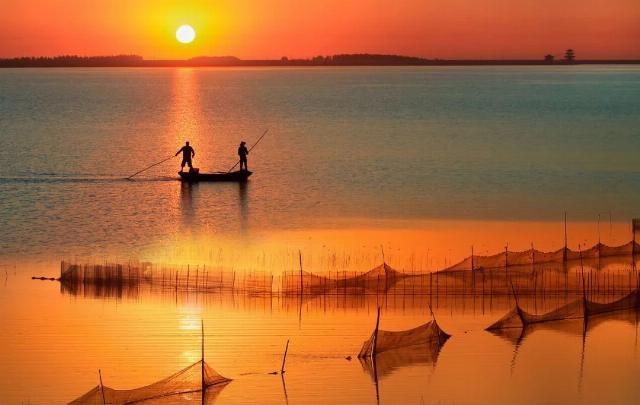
(506, 267)
(431, 288)
(473, 276)
(534, 275)
(584, 297)
(284, 359)
(564, 253)
(104, 402)
(202, 362)
(375, 335)
(301, 282)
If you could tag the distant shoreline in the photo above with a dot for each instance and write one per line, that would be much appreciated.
(318, 61)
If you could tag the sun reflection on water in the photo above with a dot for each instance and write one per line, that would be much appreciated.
(185, 113)
(190, 318)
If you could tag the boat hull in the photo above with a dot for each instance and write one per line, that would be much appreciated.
(238, 177)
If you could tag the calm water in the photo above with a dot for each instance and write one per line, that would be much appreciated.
(423, 162)
(347, 148)
(53, 345)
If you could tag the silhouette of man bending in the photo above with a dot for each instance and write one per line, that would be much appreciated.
(243, 152)
(187, 154)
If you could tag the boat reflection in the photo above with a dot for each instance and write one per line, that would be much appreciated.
(243, 200)
(187, 193)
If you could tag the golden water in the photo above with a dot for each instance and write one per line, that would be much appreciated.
(54, 344)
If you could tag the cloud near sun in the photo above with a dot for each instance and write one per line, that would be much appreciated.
(271, 29)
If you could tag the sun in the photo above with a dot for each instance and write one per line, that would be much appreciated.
(185, 34)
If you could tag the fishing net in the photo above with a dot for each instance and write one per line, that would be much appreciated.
(114, 279)
(177, 388)
(528, 257)
(306, 283)
(428, 337)
(510, 320)
(580, 308)
(379, 279)
(629, 301)
(518, 318)
(386, 363)
(571, 327)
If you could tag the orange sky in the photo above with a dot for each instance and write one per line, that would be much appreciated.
(274, 28)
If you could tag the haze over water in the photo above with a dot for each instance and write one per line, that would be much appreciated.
(424, 162)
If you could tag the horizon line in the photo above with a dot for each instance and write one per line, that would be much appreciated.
(363, 59)
(286, 58)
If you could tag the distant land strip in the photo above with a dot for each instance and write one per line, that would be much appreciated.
(334, 60)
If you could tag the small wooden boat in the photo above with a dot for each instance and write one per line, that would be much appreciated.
(195, 176)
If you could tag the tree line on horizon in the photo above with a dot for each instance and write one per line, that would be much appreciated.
(136, 60)
(73, 61)
(363, 59)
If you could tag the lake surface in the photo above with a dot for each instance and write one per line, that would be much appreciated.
(416, 165)
(418, 149)
(53, 345)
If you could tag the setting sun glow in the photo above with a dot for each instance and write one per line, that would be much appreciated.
(185, 34)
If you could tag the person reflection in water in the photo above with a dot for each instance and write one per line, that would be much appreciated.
(187, 154)
(243, 152)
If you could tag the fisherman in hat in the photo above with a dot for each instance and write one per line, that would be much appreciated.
(243, 152)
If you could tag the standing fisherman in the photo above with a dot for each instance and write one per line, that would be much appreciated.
(187, 154)
(243, 152)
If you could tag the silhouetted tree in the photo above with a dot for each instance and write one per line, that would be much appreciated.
(548, 59)
(320, 60)
(569, 56)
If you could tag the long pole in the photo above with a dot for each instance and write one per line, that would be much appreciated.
(149, 167)
(285, 357)
(250, 149)
(564, 253)
(301, 279)
(473, 278)
(584, 290)
(202, 361)
(634, 224)
(375, 336)
(101, 387)
(284, 388)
